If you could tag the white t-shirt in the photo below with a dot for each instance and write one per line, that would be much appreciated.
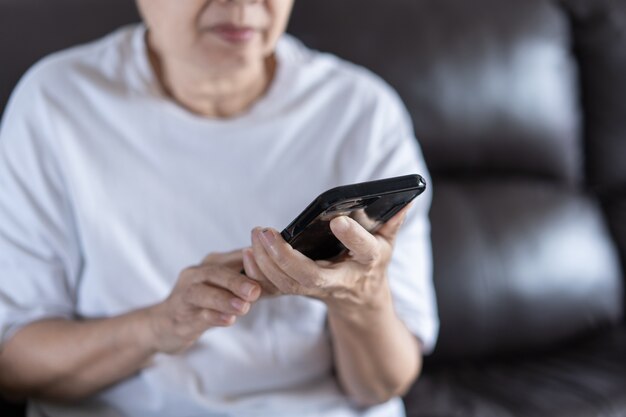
(108, 189)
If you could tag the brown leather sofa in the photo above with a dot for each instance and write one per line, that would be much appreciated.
(520, 108)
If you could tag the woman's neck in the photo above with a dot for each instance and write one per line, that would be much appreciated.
(214, 95)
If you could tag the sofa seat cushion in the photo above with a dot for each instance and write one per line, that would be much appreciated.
(588, 378)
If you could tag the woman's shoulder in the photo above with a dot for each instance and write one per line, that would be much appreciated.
(60, 72)
(331, 72)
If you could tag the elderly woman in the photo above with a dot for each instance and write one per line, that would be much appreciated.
(133, 172)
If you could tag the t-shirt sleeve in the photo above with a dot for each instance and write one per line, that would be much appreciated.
(394, 151)
(410, 276)
(39, 255)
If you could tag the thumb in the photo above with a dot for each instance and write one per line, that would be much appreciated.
(390, 229)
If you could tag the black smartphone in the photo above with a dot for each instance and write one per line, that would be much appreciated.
(370, 203)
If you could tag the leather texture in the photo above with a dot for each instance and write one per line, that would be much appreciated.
(585, 378)
(600, 28)
(486, 81)
(519, 265)
(520, 108)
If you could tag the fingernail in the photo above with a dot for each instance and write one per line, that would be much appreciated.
(239, 304)
(227, 318)
(247, 289)
(341, 224)
(268, 237)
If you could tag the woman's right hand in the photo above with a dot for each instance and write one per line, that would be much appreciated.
(212, 294)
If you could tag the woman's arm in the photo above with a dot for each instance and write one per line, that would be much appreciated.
(376, 356)
(67, 360)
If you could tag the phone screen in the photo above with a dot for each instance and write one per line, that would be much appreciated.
(317, 241)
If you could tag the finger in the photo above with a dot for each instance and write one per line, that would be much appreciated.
(268, 268)
(289, 270)
(217, 299)
(238, 284)
(363, 246)
(200, 320)
(290, 262)
(253, 271)
(205, 319)
(232, 259)
(390, 229)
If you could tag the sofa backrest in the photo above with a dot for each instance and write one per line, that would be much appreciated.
(600, 28)
(515, 124)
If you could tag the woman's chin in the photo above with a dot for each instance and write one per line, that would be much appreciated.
(231, 56)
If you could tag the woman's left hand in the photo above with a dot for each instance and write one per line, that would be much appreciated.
(357, 279)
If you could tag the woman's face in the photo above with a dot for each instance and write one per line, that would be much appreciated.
(215, 35)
